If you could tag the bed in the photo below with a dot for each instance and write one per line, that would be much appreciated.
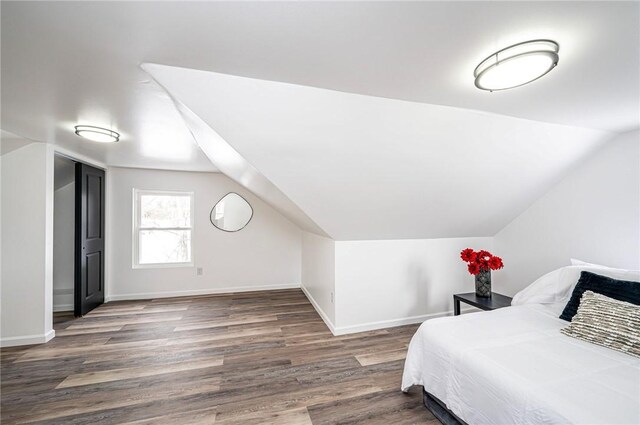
(513, 366)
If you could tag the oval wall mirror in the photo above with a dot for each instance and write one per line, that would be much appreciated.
(231, 213)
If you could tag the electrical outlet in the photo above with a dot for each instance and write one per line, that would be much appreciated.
(332, 298)
(199, 271)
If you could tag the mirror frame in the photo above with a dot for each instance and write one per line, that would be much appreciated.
(214, 207)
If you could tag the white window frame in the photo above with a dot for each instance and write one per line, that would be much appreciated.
(137, 193)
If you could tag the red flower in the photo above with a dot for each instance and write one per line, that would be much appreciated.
(484, 255)
(468, 255)
(483, 259)
(495, 263)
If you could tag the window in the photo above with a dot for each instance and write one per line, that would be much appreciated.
(163, 228)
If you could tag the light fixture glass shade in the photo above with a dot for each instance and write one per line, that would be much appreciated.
(516, 65)
(97, 134)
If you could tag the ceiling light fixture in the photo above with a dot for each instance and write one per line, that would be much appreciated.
(516, 65)
(97, 134)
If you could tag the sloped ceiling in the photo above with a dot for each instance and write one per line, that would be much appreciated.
(365, 167)
(359, 165)
(234, 165)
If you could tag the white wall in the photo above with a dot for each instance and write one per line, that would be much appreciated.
(593, 214)
(264, 255)
(318, 274)
(393, 282)
(1, 191)
(27, 245)
(63, 247)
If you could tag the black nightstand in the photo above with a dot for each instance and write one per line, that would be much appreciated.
(495, 302)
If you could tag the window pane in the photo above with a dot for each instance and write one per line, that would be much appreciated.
(165, 211)
(165, 246)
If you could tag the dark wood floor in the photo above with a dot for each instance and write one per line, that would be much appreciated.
(251, 358)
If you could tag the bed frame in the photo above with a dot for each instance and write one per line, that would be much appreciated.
(439, 410)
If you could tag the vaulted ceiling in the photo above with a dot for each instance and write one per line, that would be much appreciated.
(363, 115)
(366, 167)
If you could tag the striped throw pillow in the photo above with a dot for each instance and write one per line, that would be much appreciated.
(608, 322)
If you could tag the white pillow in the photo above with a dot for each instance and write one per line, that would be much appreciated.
(557, 286)
(575, 262)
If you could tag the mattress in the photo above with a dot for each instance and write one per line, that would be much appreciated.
(513, 365)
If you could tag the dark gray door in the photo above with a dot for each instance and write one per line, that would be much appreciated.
(89, 262)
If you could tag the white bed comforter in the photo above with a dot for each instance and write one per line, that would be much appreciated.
(513, 366)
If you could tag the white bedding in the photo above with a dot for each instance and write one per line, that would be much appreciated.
(513, 366)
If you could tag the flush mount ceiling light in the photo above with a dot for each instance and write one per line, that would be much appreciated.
(517, 65)
(97, 134)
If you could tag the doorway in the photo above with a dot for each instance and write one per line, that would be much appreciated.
(78, 237)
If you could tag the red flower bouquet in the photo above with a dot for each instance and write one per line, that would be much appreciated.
(480, 261)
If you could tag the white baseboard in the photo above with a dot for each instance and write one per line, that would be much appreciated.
(62, 307)
(27, 339)
(320, 311)
(383, 324)
(370, 326)
(193, 292)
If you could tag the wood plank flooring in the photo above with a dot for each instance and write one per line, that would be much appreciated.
(247, 358)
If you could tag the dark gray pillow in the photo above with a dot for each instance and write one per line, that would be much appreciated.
(621, 290)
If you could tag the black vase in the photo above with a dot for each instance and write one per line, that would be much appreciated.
(483, 284)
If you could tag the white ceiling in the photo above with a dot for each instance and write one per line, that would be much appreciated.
(365, 167)
(235, 166)
(73, 63)
(67, 63)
